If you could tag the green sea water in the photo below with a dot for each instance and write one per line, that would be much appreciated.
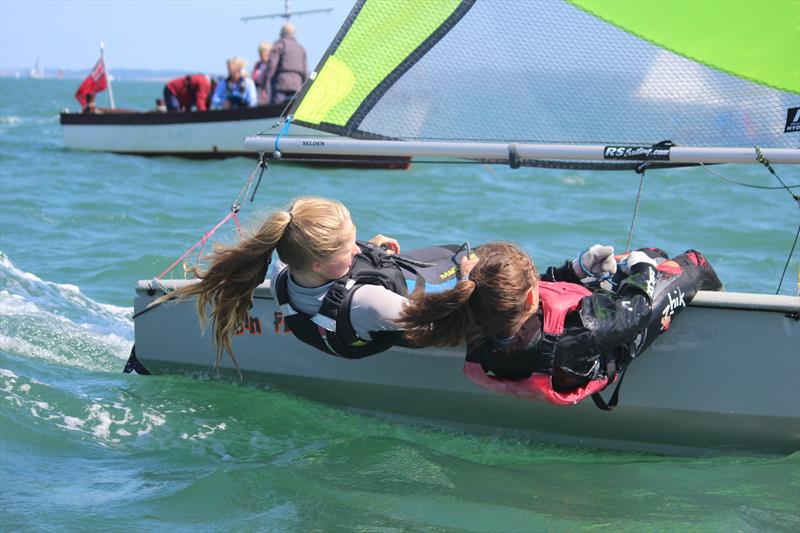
(86, 448)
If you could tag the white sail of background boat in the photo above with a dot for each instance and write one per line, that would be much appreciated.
(37, 72)
(580, 85)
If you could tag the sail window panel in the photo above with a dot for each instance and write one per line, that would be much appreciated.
(383, 35)
(547, 71)
(757, 40)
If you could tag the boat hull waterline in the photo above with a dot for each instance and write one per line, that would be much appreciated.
(708, 384)
(215, 134)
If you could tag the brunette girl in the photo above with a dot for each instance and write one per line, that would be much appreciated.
(552, 339)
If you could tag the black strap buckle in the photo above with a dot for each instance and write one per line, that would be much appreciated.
(465, 250)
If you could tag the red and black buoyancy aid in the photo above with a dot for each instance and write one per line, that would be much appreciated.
(331, 330)
(557, 299)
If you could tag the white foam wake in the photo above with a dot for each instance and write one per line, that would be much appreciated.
(108, 417)
(56, 322)
(59, 296)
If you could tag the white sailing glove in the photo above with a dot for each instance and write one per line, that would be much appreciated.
(635, 258)
(596, 263)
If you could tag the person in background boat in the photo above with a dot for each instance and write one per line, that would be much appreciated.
(260, 73)
(315, 240)
(287, 70)
(551, 338)
(161, 106)
(237, 90)
(187, 92)
(90, 105)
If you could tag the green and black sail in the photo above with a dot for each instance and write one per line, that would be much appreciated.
(581, 72)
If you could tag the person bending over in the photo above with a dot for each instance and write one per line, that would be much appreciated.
(551, 338)
(337, 295)
(187, 92)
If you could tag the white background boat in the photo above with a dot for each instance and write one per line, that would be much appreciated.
(210, 134)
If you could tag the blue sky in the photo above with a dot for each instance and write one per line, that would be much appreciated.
(190, 35)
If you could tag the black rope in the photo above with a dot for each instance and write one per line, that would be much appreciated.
(641, 169)
(752, 186)
(788, 259)
(248, 184)
(763, 160)
(262, 162)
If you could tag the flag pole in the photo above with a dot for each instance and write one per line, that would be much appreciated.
(105, 73)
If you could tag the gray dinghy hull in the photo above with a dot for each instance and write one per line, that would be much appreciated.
(725, 379)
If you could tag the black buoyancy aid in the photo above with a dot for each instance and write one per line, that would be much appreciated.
(331, 330)
(557, 299)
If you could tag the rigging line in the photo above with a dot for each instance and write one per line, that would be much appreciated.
(294, 97)
(235, 207)
(640, 170)
(262, 162)
(763, 160)
(788, 260)
(288, 105)
(770, 187)
(237, 202)
(285, 112)
(284, 131)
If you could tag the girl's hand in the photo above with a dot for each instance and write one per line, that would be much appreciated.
(387, 243)
(467, 264)
(634, 258)
(595, 263)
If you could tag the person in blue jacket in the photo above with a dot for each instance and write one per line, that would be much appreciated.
(235, 91)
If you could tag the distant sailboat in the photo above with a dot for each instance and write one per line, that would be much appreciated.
(37, 72)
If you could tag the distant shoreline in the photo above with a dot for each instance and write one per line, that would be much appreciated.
(121, 74)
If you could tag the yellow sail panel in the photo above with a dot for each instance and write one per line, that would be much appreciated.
(383, 35)
(758, 40)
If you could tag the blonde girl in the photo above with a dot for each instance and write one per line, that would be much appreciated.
(315, 240)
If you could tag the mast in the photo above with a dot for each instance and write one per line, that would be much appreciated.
(105, 74)
(287, 13)
(320, 146)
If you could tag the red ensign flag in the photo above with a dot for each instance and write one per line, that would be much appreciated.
(94, 82)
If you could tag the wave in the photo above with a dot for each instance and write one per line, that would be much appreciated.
(108, 417)
(55, 322)
(13, 120)
(33, 288)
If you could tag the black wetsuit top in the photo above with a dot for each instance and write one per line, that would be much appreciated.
(608, 327)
